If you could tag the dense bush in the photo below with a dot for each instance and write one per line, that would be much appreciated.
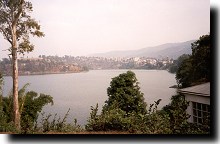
(5, 126)
(178, 118)
(125, 93)
(115, 119)
(177, 113)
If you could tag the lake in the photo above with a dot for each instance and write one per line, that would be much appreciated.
(80, 91)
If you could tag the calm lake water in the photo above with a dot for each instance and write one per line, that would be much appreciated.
(80, 91)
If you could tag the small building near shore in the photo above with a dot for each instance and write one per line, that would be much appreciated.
(199, 102)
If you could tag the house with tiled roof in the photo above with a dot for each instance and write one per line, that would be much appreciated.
(199, 102)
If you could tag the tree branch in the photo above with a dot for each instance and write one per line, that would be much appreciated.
(6, 35)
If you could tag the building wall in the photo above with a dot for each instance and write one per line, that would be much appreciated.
(198, 99)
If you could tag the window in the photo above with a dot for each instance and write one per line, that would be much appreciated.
(201, 112)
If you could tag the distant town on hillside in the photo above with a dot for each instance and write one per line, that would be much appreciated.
(69, 64)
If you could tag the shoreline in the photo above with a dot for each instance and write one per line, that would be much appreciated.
(51, 73)
(44, 73)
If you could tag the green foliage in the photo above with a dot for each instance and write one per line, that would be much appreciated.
(156, 121)
(195, 69)
(178, 118)
(176, 63)
(125, 93)
(172, 119)
(184, 73)
(30, 106)
(177, 113)
(5, 126)
(201, 58)
(115, 119)
(112, 119)
(57, 124)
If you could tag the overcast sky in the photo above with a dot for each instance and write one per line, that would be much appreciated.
(82, 27)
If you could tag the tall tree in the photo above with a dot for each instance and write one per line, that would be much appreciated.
(196, 68)
(124, 91)
(16, 25)
(201, 58)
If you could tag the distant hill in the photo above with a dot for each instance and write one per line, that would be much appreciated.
(172, 50)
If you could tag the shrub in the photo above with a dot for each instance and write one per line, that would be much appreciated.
(115, 119)
(5, 126)
(177, 113)
(57, 124)
(111, 119)
(178, 117)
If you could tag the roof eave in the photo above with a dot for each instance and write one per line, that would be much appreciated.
(194, 93)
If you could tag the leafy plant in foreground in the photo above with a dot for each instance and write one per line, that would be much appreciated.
(57, 124)
(30, 105)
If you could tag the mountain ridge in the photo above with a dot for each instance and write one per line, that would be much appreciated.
(171, 50)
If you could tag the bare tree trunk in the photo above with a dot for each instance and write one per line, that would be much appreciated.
(15, 80)
(15, 90)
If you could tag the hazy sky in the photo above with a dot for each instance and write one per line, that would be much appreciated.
(82, 27)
